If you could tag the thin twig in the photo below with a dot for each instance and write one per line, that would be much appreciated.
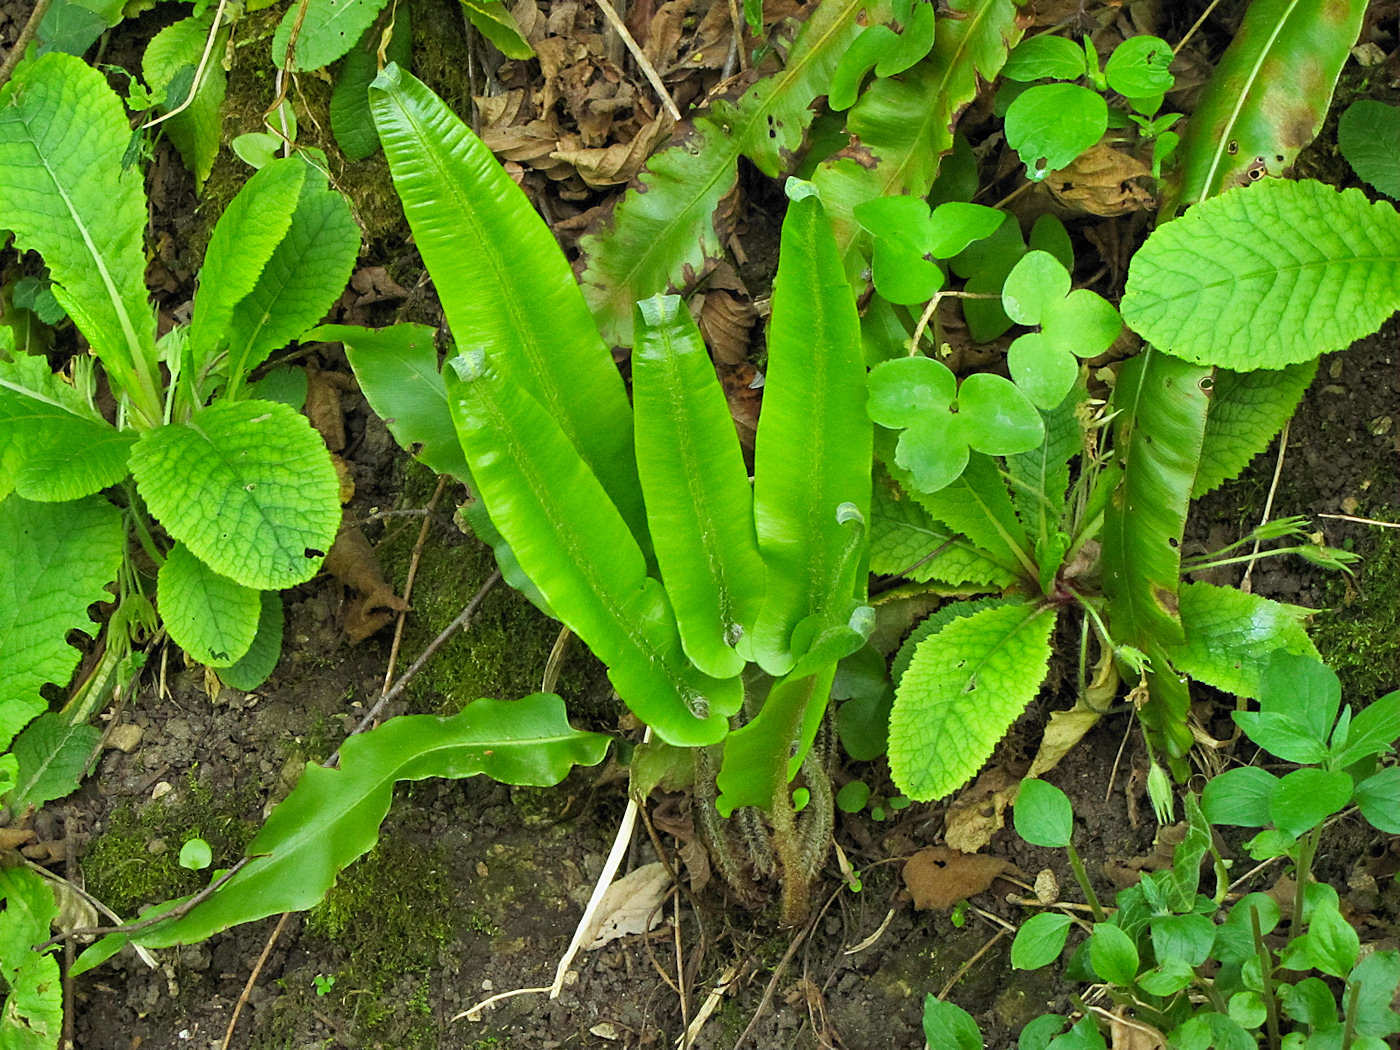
(253, 979)
(1268, 507)
(408, 582)
(1195, 26)
(649, 70)
(199, 69)
(773, 982)
(21, 44)
(1362, 521)
(737, 21)
(969, 964)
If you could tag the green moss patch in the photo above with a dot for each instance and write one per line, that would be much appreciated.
(1358, 633)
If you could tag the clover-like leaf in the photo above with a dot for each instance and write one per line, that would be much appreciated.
(996, 417)
(955, 225)
(1050, 125)
(1083, 323)
(905, 390)
(1036, 281)
(1044, 373)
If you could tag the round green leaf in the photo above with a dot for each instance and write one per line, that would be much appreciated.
(1083, 323)
(903, 275)
(902, 220)
(1186, 938)
(1040, 940)
(1239, 797)
(853, 796)
(1167, 979)
(209, 616)
(1043, 814)
(248, 486)
(902, 391)
(1043, 373)
(1369, 137)
(1037, 280)
(1048, 57)
(1140, 67)
(1113, 955)
(1051, 124)
(934, 451)
(1306, 797)
(1247, 1008)
(196, 855)
(997, 418)
(261, 658)
(1379, 798)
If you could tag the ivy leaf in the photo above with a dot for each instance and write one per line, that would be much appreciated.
(1246, 410)
(1050, 125)
(1230, 636)
(332, 816)
(33, 1010)
(248, 486)
(173, 56)
(963, 689)
(1044, 58)
(253, 667)
(59, 558)
(1318, 267)
(1369, 137)
(209, 616)
(327, 30)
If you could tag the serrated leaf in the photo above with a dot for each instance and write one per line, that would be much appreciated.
(572, 542)
(173, 54)
(59, 447)
(300, 281)
(666, 226)
(1230, 635)
(244, 238)
(963, 689)
(52, 756)
(209, 616)
(698, 499)
(978, 506)
(332, 816)
(253, 667)
(327, 30)
(65, 194)
(32, 1016)
(505, 285)
(1267, 97)
(493, 20)
(59, 558)
(1040, 477)
(1317, 267)
(904, 540)
(905, 124)
(1246, 410)
(351, 121)
(248, 486)
(1368, 135)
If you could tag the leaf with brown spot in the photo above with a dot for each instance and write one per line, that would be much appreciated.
(938, 877)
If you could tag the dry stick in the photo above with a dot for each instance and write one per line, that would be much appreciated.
(253, 979)
(143, 954)
(680, 967)
(1197, 25)
(214, 28)
(773, 981)
(649, 70)
(1268, 506)
(21, 44)
(738, 23)
(1362, 521)
(969, 964)
(408, 582)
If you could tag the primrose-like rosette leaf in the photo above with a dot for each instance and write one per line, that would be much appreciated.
(209, 616)
(906, 541)
(964, 687)
(1246, 410)
(52, 757)
(1050, 125)
(1313, 267)
(332, 816)
(248, 486)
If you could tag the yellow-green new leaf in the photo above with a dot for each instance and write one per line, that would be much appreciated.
(813, 450)
(964, 687)
(698, 500)
(505, 285)
(572, 542)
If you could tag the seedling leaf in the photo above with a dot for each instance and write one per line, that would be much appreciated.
(1041, 938)
(1050, 125)
(1043, 814)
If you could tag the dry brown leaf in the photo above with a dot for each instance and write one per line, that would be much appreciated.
(1064, 730)
(352, 561)
(744, 399)
(726, 320)
(323, 405)
(1103, 181)
(979, 812)
(13, 838)
(629, 906)
(374, 285)
(938, 877)
(616, 164)
(1128, 1033)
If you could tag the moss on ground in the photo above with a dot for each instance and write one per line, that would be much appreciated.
(135, 861)
(1358, 633)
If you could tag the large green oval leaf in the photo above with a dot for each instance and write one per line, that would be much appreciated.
(66, 194)
(698, 500)
(248, 486)
(1267, 276)
(964, 687)
(571, 541)
(332, 816)
(813, 450)
(209, 616)
(505, 286)
(59, 558)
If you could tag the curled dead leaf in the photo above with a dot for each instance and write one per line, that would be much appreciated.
(629, 906)
(352, 561)
(1103, 181)
(938, 877)
(979, 812)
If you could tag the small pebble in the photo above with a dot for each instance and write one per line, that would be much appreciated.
(161, 790)
(125, 737)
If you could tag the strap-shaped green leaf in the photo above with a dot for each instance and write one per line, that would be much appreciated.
(905, 124)
(1040, 478)
(1162, 401)
(964, 687)
(243, 240)
(59, 558)
(196, 130)
(1267, 276)
(248, 486)
(32, 1017)
(699, 504)
(1246, 410)
(505, 286)
(666, 227)
(332, 816)
(260, 660)
(1230, 636)
(813, 450)
(571, 541)
(301, 280)
(65, 194)
(1268, 95)
(328, 29)
(209, 616)
(60, 448)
